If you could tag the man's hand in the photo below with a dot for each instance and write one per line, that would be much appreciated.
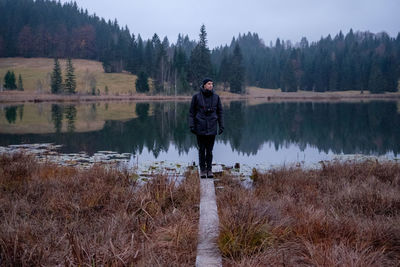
(221, 130)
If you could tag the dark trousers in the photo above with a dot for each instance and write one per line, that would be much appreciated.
(205, 144)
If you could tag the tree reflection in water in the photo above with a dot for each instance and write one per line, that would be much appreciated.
(349, 128)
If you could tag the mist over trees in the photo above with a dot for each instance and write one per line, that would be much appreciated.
(353, 61)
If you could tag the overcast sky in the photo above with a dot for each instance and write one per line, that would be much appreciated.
(224, 19)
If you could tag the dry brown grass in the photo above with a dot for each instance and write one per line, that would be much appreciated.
(52, 215)
(34, 70)
(346, 214)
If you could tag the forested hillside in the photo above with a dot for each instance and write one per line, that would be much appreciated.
(355, 61)
(352, 61)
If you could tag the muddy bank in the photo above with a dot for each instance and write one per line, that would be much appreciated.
(252, 94)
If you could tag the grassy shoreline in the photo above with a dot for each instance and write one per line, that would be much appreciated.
(342, 214)
(253, 95)
(36, 74)
(52, 215)
(345, 214)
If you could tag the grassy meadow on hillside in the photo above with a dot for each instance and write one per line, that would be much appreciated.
(36, 73)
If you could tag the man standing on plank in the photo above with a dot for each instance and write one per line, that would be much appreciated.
(204, 115)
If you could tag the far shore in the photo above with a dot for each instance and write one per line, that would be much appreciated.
(121, 87)
(253, 93)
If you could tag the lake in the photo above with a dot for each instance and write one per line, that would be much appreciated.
(255, 133)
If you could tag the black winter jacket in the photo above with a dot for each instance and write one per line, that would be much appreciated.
(205, 112)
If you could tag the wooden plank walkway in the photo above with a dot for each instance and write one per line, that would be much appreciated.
(207, 249)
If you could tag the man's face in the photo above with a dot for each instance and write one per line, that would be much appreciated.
(209, 85)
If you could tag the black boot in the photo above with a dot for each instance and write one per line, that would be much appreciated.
(203, 174)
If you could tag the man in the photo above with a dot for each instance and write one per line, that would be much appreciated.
(204, 114)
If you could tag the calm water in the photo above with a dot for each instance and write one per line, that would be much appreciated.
(266, 133)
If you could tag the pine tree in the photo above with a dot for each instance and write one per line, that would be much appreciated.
(132, 56)
(236, 73)
(13, 86)
(200, 60)
(333, 78)
(224, 69)
(159, 67)
(9, 81)
(70, 82)
(288, 79)
(20, 85)
(142, 84)
(139, 55)
(148, 58)
(56, 78)
(179, 64)
(376, 79)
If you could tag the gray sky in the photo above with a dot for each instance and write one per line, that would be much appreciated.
(224, 19)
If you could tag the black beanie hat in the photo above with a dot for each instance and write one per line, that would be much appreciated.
(206, 80)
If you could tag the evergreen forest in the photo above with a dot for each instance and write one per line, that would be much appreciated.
(355, 60)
